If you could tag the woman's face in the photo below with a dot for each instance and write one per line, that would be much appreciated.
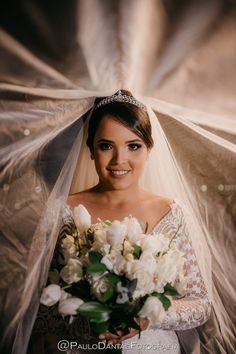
(119, 154)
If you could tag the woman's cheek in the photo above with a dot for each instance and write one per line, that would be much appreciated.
(102, 159)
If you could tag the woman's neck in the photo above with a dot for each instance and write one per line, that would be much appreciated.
(115, 198)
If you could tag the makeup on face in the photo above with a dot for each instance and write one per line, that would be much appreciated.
(119, 154)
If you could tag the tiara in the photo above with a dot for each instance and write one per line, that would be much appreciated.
(119, 97)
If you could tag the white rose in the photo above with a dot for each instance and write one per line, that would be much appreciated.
(116, 233)
(128, 249)
(114, 261)
(72, 272)
(134, 230)
(69, 306)
(119, 265)
(148, 256)
(129, 257)
(100, 236)
(64, 295)
(68, 243)
(155, 243)
(169, 266)
(68, 247)
(99, 286)
(103, 249)
(107, 261)
(50, 295)
(153, 310)
(100, 241)
(144, 272)
(82, 218)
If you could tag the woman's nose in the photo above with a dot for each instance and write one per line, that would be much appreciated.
(119, 156)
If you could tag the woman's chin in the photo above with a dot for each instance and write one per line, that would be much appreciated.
(119, 183)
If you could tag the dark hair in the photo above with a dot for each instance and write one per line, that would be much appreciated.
(134, 118)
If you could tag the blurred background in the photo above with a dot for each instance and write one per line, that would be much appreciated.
(177, 56)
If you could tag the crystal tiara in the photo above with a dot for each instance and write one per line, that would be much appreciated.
(119, 97)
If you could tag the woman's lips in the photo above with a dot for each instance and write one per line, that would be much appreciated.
(118, 173)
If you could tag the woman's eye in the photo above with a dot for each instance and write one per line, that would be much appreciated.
(134, 146)
(105, 146)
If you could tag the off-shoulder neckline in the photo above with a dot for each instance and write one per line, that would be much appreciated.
(154, 228)
(166, 216)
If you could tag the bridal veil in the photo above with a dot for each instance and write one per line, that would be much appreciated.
(178, 60)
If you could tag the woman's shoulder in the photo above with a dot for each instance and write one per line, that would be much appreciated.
(82, 197)
(160, 201)
(87, 196)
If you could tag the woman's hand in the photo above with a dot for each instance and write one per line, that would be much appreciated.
(114, 339)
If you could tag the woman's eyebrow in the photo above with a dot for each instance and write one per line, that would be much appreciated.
(127, 142)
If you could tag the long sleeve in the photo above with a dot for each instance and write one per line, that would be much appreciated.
(49, 326)
(194, 308)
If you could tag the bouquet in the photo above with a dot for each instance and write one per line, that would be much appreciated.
(114, 274)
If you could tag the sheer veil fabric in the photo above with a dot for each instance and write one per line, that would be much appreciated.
(179, 61)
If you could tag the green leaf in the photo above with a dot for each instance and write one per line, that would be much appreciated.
(126, 307)
(107, 222)
(137, 251)
(100, 327)
(80, 289)
(139, 304)
(95, 257)
(164, 300)
(96, 269)
(122, 320)
(131, 323)
(108, 295)
(170, 290)
(113, 279)
(131, 286)
(95, 311)
(117, 319)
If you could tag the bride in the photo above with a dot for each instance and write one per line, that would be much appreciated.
(120, 141)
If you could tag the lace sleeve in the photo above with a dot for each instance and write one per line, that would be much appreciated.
(194, 308)
(48, 320)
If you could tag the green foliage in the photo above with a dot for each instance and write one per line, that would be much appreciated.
(113, 279)
(105, 314)
(164, 300)
(137, 251)
(131, 286)
(100, 327)
(138, 305)
(81, 289)
(170, 290)
(95, 312)
(108, 295)
(96, 269)
(95, 257)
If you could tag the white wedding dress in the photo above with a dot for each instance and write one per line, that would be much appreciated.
(188, 312)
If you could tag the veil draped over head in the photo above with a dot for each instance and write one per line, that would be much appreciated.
(179, 59)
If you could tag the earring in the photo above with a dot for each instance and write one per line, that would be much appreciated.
(92, 157)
